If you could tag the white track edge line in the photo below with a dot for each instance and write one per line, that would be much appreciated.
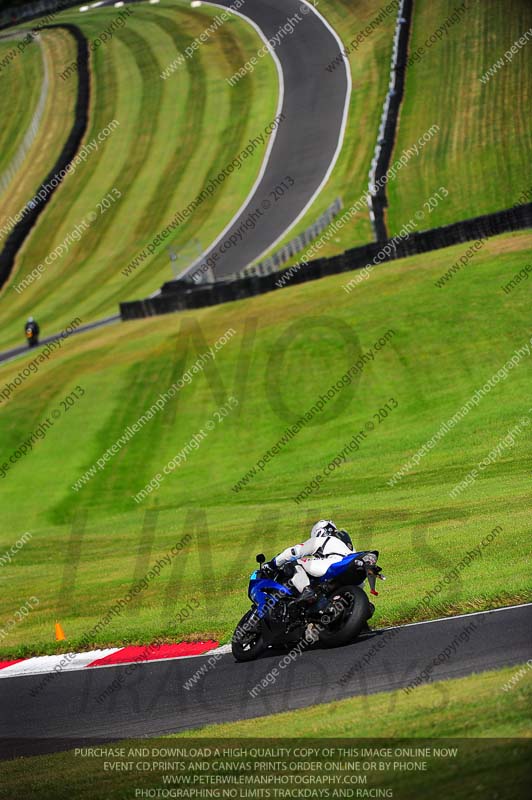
(225, 649)
(266, 159)
(331, 166)
(455, 616)
(340, 142)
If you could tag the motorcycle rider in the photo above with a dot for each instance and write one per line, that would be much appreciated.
(31, 330)
(326, 545)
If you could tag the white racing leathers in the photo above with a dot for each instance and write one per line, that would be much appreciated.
(313, 557)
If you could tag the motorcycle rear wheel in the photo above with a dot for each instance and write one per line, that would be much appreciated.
(350, 622)
(247, 642)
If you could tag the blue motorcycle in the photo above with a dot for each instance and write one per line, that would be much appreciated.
(339, 610)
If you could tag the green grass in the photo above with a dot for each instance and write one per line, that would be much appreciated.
(173, 136)
(482, 152)
(159, 174)
(447, 343)
(56, 122)
(22, 71)
(475, 710)
(475, 707)
(203, 118)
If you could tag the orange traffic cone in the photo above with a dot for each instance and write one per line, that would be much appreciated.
(59, 632)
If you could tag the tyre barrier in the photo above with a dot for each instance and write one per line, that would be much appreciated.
(380, 164)
(180, 295)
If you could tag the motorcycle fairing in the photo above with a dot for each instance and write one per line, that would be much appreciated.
(258, 592)
(339, 566)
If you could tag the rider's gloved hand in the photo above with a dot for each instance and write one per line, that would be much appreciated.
(288, 570)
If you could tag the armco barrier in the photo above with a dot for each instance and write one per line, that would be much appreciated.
(390, 115)
(295, 245)
(20, 231)
(178, 295)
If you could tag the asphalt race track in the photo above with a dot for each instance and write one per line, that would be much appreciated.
(153, 702)
(7, 355)
(307, 141)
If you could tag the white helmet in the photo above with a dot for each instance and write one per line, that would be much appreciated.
(323, 528)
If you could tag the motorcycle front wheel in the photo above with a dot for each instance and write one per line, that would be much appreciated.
(247, 642)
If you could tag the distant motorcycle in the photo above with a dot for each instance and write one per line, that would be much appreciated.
(31, 331)
(32, 337)
(278, 618)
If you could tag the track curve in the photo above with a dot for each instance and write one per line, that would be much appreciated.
(306, 144)
(152, 701)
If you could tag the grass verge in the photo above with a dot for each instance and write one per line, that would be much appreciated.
(92, 541)
(481, 153)
(155, 157)
(26, 70)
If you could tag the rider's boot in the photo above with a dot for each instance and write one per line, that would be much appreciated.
(308, 596)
